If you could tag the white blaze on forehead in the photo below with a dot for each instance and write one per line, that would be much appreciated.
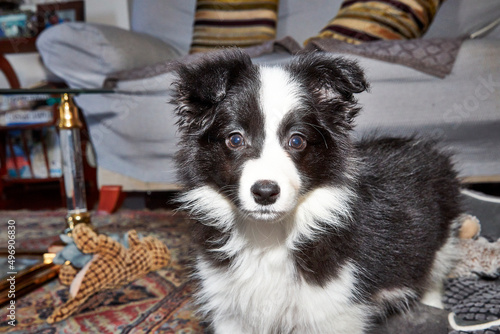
(279, 95)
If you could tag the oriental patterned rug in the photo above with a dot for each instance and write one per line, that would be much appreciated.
(157, 303)
(160, 302)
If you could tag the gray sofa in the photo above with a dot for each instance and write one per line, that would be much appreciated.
(134, 134)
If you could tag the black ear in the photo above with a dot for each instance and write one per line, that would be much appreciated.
(202, 85)
(332, 81)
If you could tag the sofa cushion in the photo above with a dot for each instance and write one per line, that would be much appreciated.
(365, 21)
(93, 51)
(241, 23)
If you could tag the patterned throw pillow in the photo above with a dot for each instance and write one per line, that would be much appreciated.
(361, 21)
(226, 23)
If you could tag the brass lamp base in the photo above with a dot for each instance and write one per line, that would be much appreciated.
(74, 219)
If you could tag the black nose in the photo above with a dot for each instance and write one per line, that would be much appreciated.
(265, 192)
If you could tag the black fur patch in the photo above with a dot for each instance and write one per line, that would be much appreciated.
(217, 97)
(325, 118)
(331, 84)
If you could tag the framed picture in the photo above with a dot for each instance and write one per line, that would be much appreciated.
(13, 25)
(18, 30)
(50, 14)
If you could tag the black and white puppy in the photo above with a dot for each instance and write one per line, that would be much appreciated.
(300, 229)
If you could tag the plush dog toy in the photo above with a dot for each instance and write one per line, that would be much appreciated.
(111, 266)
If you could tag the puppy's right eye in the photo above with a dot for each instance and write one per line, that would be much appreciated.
(235, 141)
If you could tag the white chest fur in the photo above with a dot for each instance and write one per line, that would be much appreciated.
(261, 292)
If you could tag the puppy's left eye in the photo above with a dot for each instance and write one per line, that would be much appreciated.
(235, 141)
(297, 142)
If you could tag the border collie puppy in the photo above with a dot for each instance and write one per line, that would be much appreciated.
(299, 228)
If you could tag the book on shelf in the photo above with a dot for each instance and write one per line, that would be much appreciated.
(42, 148)
(25, 110)
(21, 117)
(30, 152)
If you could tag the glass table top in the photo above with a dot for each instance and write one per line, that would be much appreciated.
(76, 91)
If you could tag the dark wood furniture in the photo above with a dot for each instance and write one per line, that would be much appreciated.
(40, 193)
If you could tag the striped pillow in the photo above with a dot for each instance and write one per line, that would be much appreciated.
(361, 21)
(240, 23)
